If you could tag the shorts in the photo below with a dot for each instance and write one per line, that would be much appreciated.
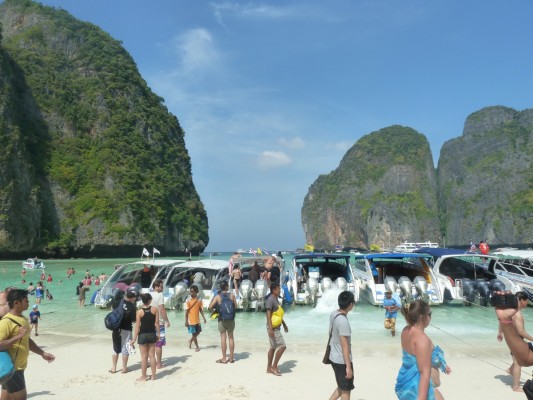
(277, 341)
(16, 383)
(125, 337)
(530, 344)
(390, 323)
(195, 329)
(117, 345)
(340, 376)
(162, 337)
(226, 326)
(147, 338)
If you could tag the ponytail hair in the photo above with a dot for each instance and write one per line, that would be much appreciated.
(415, 311)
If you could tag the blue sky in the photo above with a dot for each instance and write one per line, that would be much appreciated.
(271, 94)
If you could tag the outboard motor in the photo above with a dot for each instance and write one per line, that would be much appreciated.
(469, 292)
(341, 284)
(421, 286)
(483, 288)
(260, 292)
(496, 285)
(390, 284)
(181, 290)
(245, 291)
(326, 284)
(406, 286)
(312, 284)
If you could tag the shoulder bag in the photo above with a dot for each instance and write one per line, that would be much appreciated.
(7, 367)
(326, 359)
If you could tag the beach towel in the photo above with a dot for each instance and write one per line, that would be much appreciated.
(408, 378)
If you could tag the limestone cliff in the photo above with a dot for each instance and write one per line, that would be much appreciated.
(383, 192)
(92, 162)
(486, 179)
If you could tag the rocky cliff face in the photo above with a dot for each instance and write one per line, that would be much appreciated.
(91, 161)
(383, 192)
(486, 179)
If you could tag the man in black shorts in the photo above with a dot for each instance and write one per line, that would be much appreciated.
(15, 338)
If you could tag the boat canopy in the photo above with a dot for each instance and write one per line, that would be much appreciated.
(396, 256)
(439, 252)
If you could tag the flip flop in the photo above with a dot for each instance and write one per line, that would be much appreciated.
(220, 361)
(125, 371)
(275, 372)
(112, 372)
(232, 361)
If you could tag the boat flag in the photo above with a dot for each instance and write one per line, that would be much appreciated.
(472, 247)
(309, 247)
(253, 251)
(146, 252)
(259, 251)
(155, 251)
(266, 251)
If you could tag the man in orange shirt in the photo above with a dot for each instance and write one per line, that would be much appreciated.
(192, 316)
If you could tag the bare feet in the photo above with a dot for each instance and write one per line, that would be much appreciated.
(508, 370)
(152, 378)
(518, 389)
(159, 366)
(190, 343)
(393, 333)
(125, 370)
(274, 371)
(141, 379)
(197, 349)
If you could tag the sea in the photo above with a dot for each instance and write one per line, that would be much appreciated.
(469, 331)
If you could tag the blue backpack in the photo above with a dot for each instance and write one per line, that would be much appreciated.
(114, 318)
(227, 308)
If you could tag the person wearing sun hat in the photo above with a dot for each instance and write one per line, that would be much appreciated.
(391, 307)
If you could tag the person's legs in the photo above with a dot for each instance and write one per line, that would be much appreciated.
(270, 357)
(125, 364)
(278, 355)
(515, 373)
(195, 340)
(159, 347)
(114, 361)
(158, 356)
(144, 361)
(223, 345)
(231, 346)
(36, 329)
(153, 366)
(20, 395)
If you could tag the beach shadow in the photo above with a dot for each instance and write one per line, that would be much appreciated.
(174, 360)
(43, 393)
(242, 356)
(161, 373)
(287, 366)
(507, 379)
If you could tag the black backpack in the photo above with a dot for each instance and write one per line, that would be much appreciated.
(114, 318)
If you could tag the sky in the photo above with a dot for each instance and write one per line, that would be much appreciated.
(271, 94)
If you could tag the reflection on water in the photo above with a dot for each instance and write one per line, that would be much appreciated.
(471, 327)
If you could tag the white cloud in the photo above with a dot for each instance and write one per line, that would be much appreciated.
(273, 159)
(294, 143)
(197, 50)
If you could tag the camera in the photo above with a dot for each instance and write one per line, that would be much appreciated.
(507, 300)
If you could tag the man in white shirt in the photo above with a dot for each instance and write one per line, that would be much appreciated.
(158, 301)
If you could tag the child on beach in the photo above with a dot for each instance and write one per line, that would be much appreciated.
(192, 316)
(35, 315)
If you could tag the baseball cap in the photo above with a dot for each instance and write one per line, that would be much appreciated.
(130, 293)
(35, 306)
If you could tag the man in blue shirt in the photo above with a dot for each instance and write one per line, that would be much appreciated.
(391, 307)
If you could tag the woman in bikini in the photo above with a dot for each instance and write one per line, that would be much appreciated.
(147, 334)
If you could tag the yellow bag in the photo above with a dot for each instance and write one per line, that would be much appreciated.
(277, 317)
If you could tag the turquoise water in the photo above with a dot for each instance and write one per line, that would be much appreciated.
(471, 329)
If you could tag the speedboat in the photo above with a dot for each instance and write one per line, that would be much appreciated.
(250, 295)
(321, 272)
(407, 275)
(179, 277)
(410, 247)
(133, 273)
(465, 276)
(517, 265)
(33, 263)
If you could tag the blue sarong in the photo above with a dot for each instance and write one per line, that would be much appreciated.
(408, 378)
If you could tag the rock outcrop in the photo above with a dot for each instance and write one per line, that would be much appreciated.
(92, 162)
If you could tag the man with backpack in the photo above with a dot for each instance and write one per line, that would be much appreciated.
(122, 335)
(226, 304)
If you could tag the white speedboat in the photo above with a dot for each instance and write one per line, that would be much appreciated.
(517, 265)
(409, 247)
(33, 263)
(139, 272)
(320, 273)
(467, 277)
(250, 295)
(408, 275)
(179, 277)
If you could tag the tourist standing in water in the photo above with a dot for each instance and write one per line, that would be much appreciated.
(341, 347)
(226, 304)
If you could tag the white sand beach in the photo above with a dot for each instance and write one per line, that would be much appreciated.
(80, 370)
